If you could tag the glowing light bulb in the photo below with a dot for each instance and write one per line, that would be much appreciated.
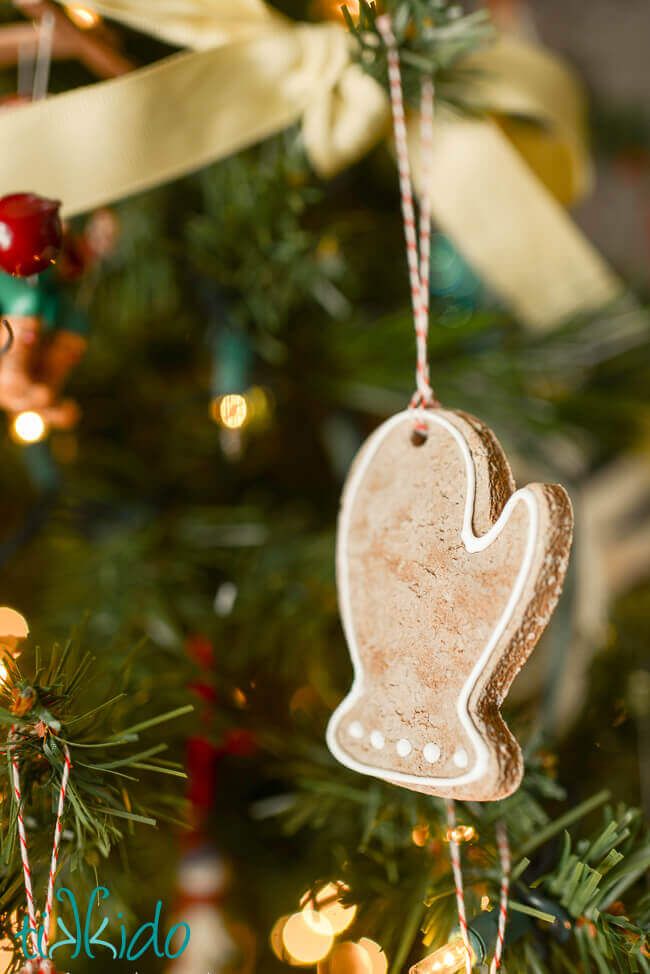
(81, 16)
(233, 410)
(446, 960)
(28, 427)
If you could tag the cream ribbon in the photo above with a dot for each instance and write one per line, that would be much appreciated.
(252, 73)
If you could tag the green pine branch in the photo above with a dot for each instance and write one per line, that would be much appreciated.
(588, 899)
(433, 37)
(45, 710)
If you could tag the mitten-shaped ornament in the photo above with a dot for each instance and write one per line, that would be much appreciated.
(446, 577)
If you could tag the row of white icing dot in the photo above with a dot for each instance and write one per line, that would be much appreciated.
(404, 747)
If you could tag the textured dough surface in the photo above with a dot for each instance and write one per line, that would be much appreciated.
(421, 609)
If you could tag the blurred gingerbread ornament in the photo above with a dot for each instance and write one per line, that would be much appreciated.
(47, 340)
(46, 329)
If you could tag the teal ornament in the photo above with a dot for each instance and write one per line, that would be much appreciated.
(451, 275)
(41, 297)
(233, 357)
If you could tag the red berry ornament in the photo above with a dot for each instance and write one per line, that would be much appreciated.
(30, 233)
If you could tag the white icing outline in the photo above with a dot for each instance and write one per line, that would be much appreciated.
(472, 544)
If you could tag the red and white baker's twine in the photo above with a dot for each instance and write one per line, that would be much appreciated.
(454, 852)
(418, 258)
(504, 855)
(417, 255)
(39, 944)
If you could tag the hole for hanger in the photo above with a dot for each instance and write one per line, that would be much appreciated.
(418, 437)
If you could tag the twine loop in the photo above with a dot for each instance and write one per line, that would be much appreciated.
(504, 855)
(39, 937)
(418, 251)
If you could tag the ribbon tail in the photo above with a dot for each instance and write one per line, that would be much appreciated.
(509, 227)
(197, 24)
(104, 142)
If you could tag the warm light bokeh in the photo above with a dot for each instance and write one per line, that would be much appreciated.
(275, 937)
(420, 835)
(333, 9)
(462, 833)
(28, 427)
(81, 16)
(233, 410)
(12, 623)
(327, 903)
(305, 944)
(349, 958)
(378, 959)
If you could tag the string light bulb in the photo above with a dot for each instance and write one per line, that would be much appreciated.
(252, 409)
(446, 960)
(82, 16)
(232, 410)
(28, 427)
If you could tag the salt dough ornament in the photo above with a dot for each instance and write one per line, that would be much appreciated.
(446, 579)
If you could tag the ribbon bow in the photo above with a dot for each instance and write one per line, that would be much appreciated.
(495, 185)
